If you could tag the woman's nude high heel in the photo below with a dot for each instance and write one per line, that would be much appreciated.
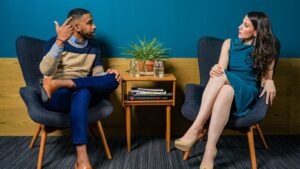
(210, 167)
(187, 145)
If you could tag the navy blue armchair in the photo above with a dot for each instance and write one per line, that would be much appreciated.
(209, 49)
(30, 53)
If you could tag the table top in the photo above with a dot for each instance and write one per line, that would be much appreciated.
(167, 77)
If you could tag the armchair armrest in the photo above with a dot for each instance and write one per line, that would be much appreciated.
(36, 108)
(31, 97)
(192, 101)
(193, 93)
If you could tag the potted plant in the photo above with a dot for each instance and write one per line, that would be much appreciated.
(146, 52)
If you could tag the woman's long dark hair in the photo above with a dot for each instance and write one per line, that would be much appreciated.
(265, 43)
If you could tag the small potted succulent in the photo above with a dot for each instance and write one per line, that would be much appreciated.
(146, 52)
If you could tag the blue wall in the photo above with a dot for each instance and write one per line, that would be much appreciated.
(176, 23)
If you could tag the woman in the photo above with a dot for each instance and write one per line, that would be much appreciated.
(245, 64)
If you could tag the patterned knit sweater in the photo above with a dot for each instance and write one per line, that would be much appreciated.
(73, 61)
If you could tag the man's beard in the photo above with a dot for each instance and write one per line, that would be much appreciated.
(86, 35)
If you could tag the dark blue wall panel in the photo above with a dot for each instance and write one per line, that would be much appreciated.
(176, 23)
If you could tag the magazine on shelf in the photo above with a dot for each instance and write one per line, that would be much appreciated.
(149, 94)
(148, 89)
(169, 94)
(148, 97)
(132, 92)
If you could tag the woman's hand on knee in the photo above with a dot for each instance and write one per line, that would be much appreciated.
(216, 71)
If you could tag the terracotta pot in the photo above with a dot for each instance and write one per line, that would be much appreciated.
(146, 66)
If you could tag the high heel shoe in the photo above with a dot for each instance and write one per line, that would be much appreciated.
(47, 89)
(210, 167)
(187, 145)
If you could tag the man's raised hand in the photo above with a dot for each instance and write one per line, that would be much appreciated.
(65, 31)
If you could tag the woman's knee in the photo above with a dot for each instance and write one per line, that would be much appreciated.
(225, 97)
(220, 79)
(226, 91)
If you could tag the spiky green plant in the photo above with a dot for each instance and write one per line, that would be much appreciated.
(146, 50)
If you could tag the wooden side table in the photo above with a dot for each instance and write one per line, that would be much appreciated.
(127, 104)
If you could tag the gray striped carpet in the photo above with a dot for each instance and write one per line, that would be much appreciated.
(150, 153)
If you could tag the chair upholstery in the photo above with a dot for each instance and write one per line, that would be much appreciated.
(209, 49)
(30, 52)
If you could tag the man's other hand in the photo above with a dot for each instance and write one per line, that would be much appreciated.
(118, 75)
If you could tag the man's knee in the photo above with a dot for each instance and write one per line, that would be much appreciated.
(111, 80)
(107, 81)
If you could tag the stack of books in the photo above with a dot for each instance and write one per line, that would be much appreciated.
(149, 94)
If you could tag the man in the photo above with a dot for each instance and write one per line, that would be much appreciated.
(74, 76)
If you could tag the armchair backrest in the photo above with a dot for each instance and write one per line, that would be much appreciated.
(30, 53)
(209, 49)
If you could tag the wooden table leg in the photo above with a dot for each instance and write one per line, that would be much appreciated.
(128, 127)
(168, 128)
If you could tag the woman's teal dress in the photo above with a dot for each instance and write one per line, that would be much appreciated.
(242, 77)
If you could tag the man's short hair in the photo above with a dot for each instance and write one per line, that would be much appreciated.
(77, 13)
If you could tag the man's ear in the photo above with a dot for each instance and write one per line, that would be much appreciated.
(75, 24)
(76, 27)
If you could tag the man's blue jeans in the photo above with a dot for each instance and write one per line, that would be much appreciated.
(77, 101)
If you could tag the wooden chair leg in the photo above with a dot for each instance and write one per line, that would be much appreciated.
(261, 136)
(36, 134)
(42, 147)
(252, 147)
(103, 138)
(186, 155)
